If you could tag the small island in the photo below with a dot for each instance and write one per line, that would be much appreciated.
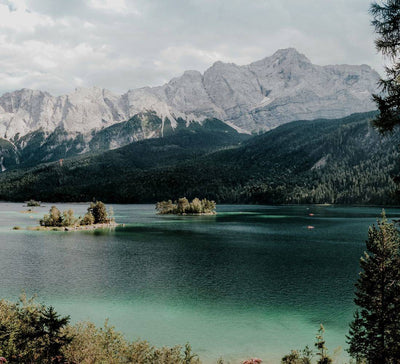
(96, 217)
(184, 207)
(33, 203)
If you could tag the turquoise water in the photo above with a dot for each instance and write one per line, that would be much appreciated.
(250, 281)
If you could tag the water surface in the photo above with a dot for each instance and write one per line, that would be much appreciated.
(250, 281)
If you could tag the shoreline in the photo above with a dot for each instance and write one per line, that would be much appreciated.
(219, 204)
(189, 214)
(74, 228)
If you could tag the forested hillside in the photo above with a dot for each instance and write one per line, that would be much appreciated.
(323, 161)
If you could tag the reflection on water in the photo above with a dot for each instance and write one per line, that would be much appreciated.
(252, 280)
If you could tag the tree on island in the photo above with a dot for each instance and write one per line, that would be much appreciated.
(374, 335)
(33, 203)
(99, 212)
(96, 214)
(53, 218)
(184, 207)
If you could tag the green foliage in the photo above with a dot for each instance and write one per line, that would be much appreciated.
(374, 334)
(31, 332)
(322, 350)
(88, 219)
(68, 218)
(189, 356)
(32, 203)
(184, 207)
(298, 357)
(165, 207)
(38, 147)
(343, 161)
(53, 218)
(386, 16)
(197, 207)
(96, 214)
(305, 356)
(92, 345)
(99, 212)
(53, 334)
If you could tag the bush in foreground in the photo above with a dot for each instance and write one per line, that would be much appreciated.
(305, 356)
(105, 345)
(33, 333)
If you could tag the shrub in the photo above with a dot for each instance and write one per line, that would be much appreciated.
(33, 203)
(183, 205)
(88, 219)
(68, 218)
(165, 207)
(31, 332)
(106, 345)
(53, 218)
(99, 212)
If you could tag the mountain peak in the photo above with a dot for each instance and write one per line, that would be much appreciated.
(280, 88)
(290, 54)
(285, 59)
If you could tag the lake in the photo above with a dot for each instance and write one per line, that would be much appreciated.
(250, 281)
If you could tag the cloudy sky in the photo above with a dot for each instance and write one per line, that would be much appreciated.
(57, 45)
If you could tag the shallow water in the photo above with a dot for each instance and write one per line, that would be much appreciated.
(250, 281)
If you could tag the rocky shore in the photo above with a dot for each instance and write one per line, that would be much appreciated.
(110, 225)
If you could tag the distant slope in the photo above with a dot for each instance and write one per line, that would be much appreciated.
(320, 161)
(185, 143)
(39, 147)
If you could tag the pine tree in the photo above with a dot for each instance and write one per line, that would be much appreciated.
(386, 21)
(54, 339)
(374, 334)
(99, 212)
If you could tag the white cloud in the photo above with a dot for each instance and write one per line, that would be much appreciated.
(118, 6)
(18, 18)
(177, 57)
(121, 44)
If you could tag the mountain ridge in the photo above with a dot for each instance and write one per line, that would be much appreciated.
(260, 96)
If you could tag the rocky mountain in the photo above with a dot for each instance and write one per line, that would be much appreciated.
(38, 146)
(258, 96)
(251, 98)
